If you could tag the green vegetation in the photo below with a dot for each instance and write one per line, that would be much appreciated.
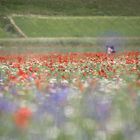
(71, 7)
(78, 26)
(70, 18)
(3, 34)
(38, 45)
(3, 26)
(6, 28)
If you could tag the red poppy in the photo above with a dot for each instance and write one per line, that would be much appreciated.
(22, 117)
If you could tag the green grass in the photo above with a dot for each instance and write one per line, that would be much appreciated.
(3, 34)
(37, 45)
(71, 7)
(79, 27)
(7, 29)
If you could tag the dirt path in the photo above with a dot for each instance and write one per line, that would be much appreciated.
(16, 27)
(71, 17)
(68, 38)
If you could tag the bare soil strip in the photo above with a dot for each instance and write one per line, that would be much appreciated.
(16, 27)
(73, 17)
(68, 38)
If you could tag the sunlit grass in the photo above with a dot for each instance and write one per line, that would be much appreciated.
(78, 27)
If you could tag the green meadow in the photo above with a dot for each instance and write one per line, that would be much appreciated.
(71, 7)
(2, 33)
(78, 26)
(64, 23)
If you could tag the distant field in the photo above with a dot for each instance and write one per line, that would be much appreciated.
(78, 26)
(71, 7)
(43, 45)
(70, 33)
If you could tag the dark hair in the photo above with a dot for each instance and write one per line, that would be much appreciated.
(111, 47)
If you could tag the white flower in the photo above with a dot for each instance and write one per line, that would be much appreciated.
(64, 82)
(52, 81)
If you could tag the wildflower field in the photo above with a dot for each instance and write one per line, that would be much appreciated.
(70, 96)
(56, 80)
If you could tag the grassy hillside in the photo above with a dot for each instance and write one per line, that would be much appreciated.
(71, 7)
(6, 28)
(78, 26)
(3, 34)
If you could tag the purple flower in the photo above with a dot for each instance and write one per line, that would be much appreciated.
(54, 105)
(7, 106)
(2, 88)
(103, 109)
(97, 108)
(13, 89)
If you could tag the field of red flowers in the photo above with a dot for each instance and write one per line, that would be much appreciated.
(67, 66)
(70, 96)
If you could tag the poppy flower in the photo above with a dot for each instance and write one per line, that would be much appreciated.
(22, 117)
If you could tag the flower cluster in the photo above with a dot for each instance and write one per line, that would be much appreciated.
(70, 96)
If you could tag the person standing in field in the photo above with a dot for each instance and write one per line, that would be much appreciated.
(110, 50)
